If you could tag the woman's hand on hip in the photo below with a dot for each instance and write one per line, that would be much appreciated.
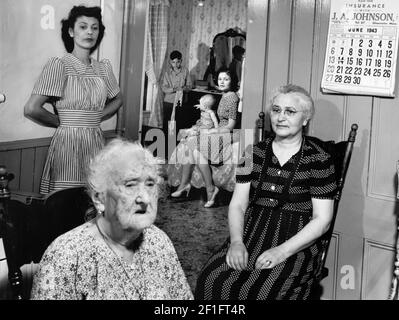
(270, 258)
(237, 256)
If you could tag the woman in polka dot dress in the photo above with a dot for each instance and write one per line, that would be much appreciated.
(211, 146)
(281, 205)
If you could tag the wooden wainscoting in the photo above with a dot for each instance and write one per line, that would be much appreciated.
(25, 159)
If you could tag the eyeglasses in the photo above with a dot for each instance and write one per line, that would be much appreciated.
(288, 112)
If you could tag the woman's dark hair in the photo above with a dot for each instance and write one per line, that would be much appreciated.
(76, 12)
(232, 75)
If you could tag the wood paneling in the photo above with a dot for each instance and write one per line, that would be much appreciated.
(348, 281)
(26, 158)
(255, 62)
(12, 159)
(26, 164)
(278, 51)
(384, 150)
(377, 271)
(302, 43)
(132, 66)
(27, 169)
(329, 283)
(40, 158)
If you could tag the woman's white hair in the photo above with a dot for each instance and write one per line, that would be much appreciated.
(103, 165)
(302, 94)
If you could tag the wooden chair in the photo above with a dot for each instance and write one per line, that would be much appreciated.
(341, 152)
(30, 222)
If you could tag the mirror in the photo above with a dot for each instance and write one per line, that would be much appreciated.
(227, 50)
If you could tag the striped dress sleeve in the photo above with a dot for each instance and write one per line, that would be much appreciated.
(51, 80)
(110, 80)
(322, 179)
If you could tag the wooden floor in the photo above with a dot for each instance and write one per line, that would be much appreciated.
(195, 231)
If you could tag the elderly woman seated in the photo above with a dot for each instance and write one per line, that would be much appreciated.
(119, 254)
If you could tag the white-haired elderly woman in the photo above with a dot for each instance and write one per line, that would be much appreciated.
(119, 254)
(281, 205)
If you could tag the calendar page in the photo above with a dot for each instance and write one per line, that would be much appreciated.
(361, 47)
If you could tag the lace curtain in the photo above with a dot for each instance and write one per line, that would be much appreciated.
(157, 41)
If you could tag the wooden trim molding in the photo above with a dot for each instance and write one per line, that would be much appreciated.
(25, 144)
(375, 158)
(41, 142)
(372, 266)
(330, 283)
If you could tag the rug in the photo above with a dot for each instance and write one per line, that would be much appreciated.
(195, 231)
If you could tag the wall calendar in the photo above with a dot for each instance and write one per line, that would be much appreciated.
(362, 47)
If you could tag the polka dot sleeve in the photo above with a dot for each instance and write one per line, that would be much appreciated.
(322, 178)
(233, 103)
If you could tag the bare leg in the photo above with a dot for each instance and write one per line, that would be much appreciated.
(186, 175)
(185, 185)
(186, 170)
(206, 172)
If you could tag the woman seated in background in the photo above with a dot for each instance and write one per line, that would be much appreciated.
(211, 146)
(119, 254)
(281, 206)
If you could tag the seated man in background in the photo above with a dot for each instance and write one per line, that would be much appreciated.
(119, 254)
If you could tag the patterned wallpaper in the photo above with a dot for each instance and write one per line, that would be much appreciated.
(192, 28)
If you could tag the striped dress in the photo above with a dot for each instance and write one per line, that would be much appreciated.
(78, 93)
(267, 227)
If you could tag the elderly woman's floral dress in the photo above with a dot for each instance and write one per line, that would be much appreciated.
(79, 93)
(77, 266)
